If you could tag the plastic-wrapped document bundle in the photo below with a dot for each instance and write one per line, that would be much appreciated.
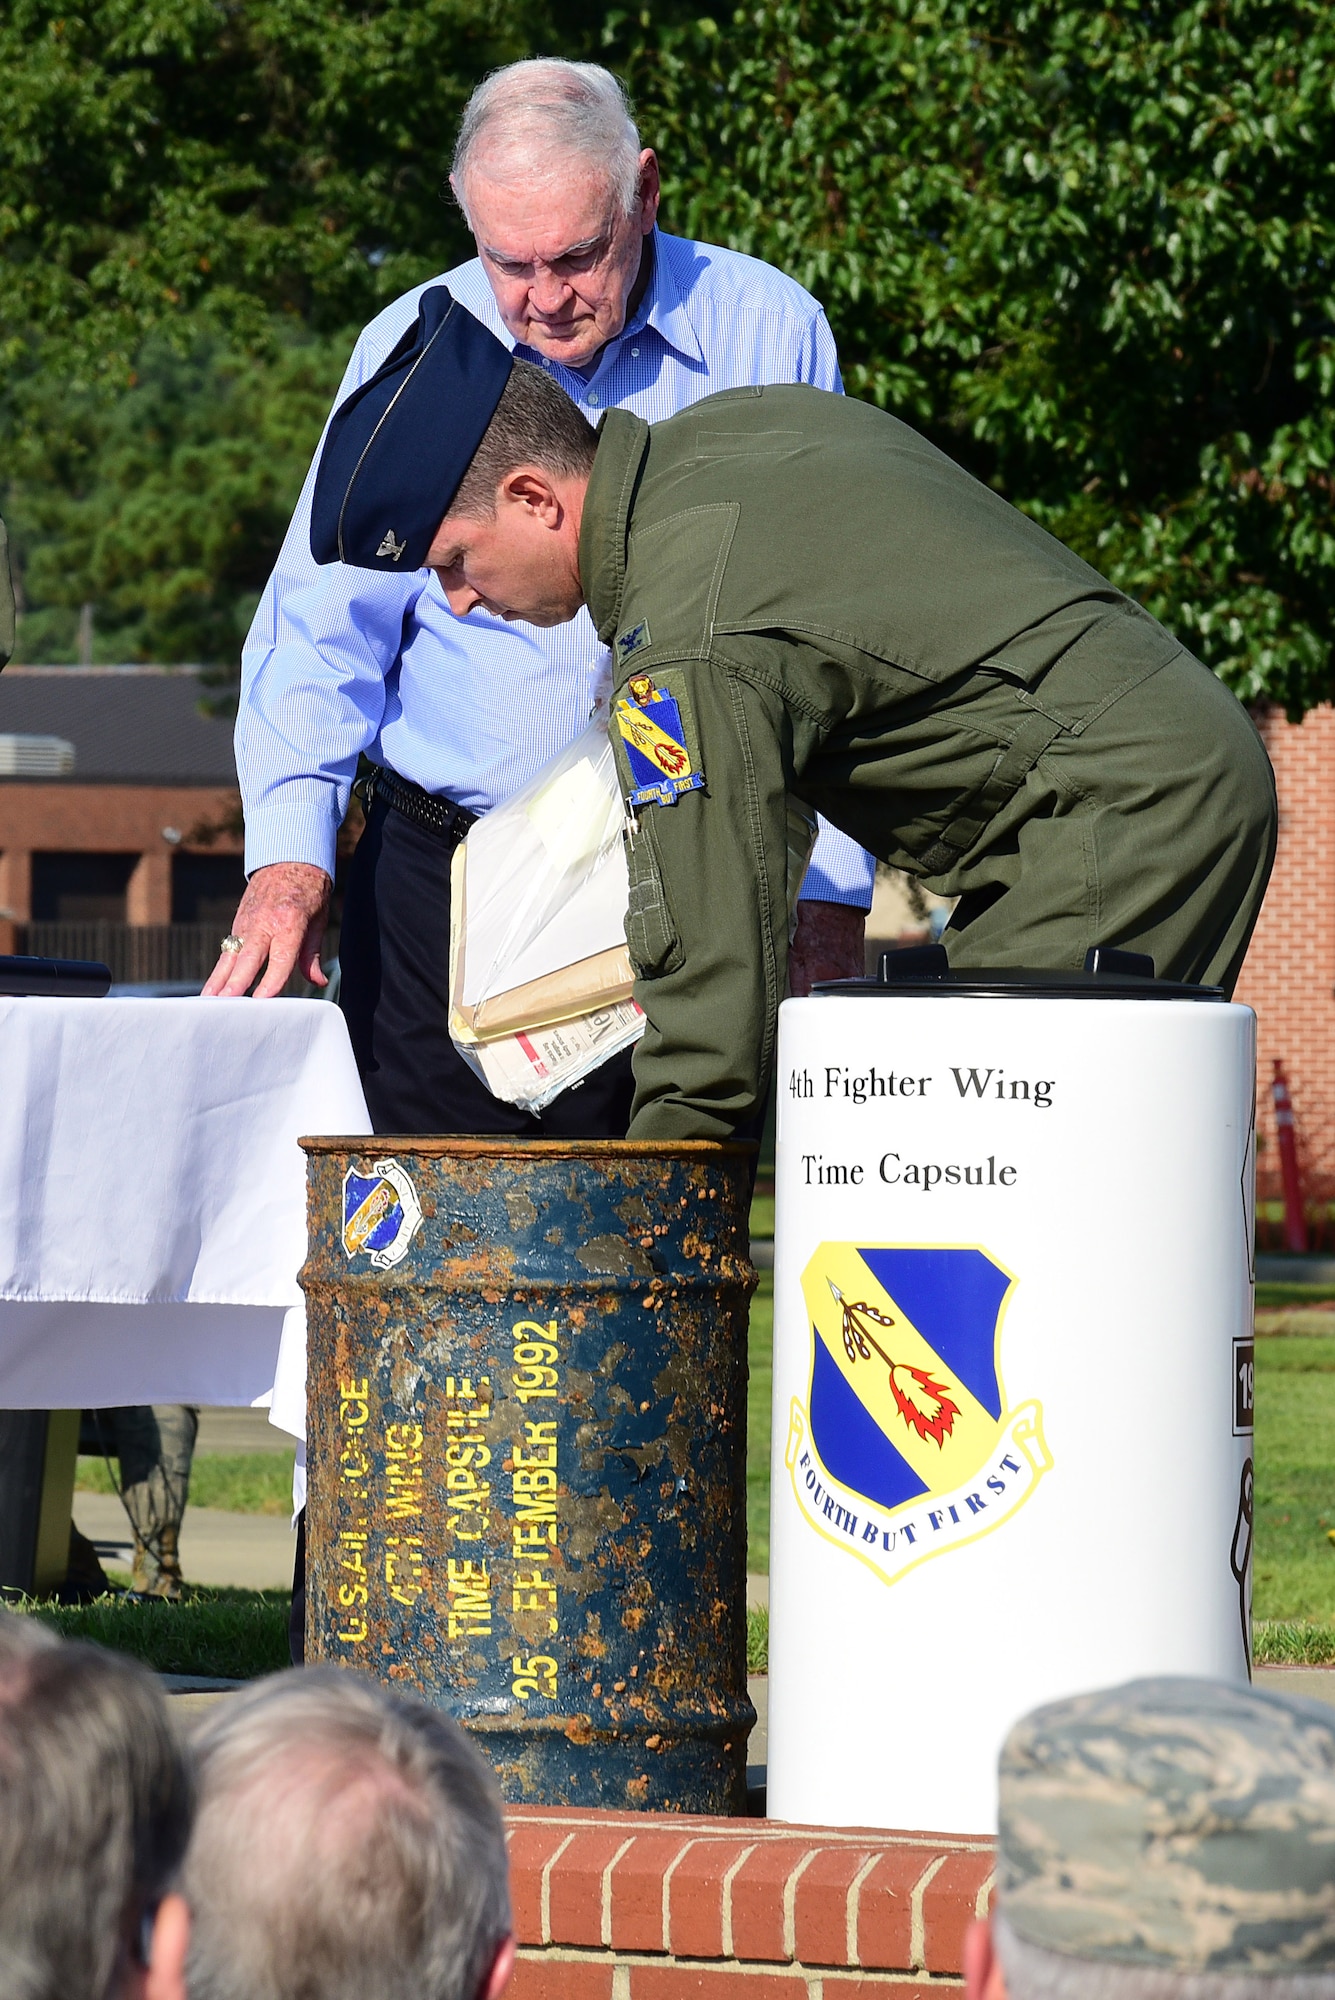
(531, 1068)
(540, 977)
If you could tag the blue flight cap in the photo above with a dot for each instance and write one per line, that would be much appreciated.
(396, 451)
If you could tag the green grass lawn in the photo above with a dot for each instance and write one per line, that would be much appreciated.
(252, 1482)
(221, 1634)
(1295, 1295)
(1294, 1562)
(224, 1634)
(760, 1348)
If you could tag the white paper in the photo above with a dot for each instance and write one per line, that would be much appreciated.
(545, 874)
(533, 1068)
(593, 920)
(574, 816)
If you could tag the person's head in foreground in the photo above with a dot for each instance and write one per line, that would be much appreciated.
(1167, 1840)
(95, 1807)
(348, 1846)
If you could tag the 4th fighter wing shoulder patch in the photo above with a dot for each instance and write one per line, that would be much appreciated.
(655, 730)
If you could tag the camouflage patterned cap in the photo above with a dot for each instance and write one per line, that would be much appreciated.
(1173, 1823)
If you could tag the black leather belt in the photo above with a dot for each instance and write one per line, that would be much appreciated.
(438, 815)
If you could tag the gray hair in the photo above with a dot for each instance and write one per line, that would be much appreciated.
(20, 1638)
(1033, 1972)
(95, 1808)
(541, 114)
(349, 1843)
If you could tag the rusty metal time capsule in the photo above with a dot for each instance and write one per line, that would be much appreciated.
(526, 1453)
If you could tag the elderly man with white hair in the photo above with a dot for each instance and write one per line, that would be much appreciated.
(456, 713)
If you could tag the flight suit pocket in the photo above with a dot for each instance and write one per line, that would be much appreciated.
(651, 932)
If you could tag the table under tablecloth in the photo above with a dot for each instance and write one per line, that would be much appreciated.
(153, 1197)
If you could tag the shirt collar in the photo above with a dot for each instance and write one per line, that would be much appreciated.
(662, 306)
(623, 443)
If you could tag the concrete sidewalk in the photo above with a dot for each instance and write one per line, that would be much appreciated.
(227, 1432)
(1310, 1683)
(247, 1551)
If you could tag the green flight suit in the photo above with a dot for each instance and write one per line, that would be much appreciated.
(6, 600)
(842, 614)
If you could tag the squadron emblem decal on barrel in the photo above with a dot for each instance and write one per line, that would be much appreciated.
(905, 1447)
(381, 1214)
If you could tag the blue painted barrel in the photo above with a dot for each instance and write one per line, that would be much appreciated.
(527, 1452)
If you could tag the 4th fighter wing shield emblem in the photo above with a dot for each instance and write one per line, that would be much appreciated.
(654, 735)
(905, 1447)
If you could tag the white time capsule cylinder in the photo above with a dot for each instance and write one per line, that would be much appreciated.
(1012, 1373)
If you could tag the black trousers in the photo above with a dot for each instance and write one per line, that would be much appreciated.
(394, 955)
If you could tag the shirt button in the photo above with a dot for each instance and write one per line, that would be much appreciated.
(593, 400)
(635, 350)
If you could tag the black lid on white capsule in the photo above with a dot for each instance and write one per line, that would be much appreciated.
(921, 971)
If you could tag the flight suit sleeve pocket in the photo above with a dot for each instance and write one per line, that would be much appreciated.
(651, 932)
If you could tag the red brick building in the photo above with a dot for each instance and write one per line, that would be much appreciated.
(120, 833)
(1289, 975)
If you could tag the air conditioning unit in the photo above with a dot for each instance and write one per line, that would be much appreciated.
(35, 756)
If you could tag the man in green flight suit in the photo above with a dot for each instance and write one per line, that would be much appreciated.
(805, 598)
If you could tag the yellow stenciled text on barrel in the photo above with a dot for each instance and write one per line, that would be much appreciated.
(468, 1585)
(468, 1407)
(469, 1573)
(534, 1483)
(354, 1462)
(405, 1559)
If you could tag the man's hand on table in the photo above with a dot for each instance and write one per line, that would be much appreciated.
(281, 920)
(829, 943)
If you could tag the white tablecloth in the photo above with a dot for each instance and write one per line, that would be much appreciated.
(153, 1196)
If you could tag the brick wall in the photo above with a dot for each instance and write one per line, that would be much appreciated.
(1289, 974)
(647, 1906)
(108, 819)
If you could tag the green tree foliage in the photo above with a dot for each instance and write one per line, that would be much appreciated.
(1088, 250)
(219, 162)
(240, 183)
(163, 507)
